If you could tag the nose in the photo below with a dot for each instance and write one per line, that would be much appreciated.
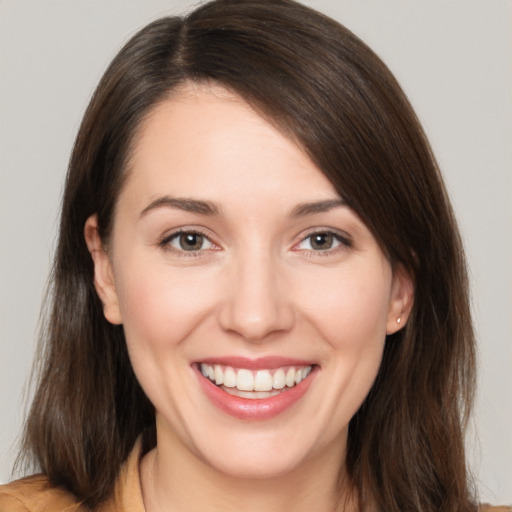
(257, 301)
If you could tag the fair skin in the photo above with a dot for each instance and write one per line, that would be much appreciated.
(215, 260)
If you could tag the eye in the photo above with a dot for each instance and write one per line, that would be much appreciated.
(188, 241)
(322, 241)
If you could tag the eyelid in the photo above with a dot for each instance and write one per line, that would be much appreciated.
(344, 239)
(164, 242)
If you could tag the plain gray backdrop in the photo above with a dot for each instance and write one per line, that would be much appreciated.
(452, 57)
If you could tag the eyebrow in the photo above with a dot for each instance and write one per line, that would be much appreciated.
(183, 203)
(209, 208)
(305, 209)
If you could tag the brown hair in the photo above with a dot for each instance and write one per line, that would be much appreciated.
(322, 86)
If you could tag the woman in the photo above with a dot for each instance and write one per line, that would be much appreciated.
(259, 294)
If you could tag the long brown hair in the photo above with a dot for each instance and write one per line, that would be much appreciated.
(327, 90)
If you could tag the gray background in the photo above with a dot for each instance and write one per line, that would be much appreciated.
(454, 60)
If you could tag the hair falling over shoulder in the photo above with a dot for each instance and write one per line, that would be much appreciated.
(317, 82)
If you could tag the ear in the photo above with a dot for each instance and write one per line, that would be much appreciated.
(401, 301)
(103, 274)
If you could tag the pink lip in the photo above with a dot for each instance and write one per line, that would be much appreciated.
(253, 409)
(262, 363)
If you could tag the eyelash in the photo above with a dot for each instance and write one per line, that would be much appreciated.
(165, 243)
(343, 240)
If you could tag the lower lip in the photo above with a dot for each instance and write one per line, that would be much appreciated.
(254, 409)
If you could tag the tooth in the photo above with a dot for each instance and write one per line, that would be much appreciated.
(245, 380)
(290, 377)
(264, 394)
(279, 379)
(230, 378)
(263, 381)
(219, 375)
(252, 394)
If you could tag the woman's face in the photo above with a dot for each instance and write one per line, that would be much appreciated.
(235, 265)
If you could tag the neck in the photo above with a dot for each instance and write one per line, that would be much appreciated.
(174, 479)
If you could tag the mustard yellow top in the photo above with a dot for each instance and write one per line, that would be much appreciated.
(34, 494)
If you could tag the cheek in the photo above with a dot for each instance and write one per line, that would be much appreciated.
(349, 312)
(349, 306)
(160, 306)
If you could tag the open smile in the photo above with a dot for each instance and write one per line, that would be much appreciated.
(252, 391)
(255, 384)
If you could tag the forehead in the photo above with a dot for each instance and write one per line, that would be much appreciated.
(204, 140)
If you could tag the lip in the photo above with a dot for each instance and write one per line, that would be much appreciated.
(257, 409)
(262, 363)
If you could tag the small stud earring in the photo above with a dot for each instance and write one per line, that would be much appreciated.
(398, 320)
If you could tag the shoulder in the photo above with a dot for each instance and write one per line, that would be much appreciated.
(35, 494)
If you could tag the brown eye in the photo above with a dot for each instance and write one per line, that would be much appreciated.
(191, 241)
(188, 241)
(321, 241)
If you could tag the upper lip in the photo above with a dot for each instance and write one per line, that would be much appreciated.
(260, 363)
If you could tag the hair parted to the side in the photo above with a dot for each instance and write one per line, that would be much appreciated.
(328, 91)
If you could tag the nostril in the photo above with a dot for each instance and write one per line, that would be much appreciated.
(255, 322)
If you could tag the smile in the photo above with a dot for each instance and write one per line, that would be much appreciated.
(255, 390)
(254, 384)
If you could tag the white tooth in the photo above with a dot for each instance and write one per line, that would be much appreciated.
(306, 372)
(204, 370)
(245, 380)
(290, 377)
(263, 381)
(219, 375)
(252, 394)
(230, 378)
(211, 373)
(264, 394)
(298, 376)
(278, 382)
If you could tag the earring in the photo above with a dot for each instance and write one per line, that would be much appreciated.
(398, 320)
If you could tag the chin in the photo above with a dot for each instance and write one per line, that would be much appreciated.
(257, 466)
(266, 453)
